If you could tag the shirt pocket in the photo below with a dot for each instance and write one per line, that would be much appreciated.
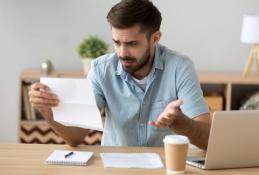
(156, 109)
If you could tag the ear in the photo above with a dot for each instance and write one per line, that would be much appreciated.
(156, 37)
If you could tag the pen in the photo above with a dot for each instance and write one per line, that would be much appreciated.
(69, 154)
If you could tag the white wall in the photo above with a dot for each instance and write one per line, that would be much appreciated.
(32, 31)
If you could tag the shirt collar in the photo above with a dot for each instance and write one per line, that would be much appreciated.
(158, 62)
(119, 70)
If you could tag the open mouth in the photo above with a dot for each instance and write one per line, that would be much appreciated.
(127, 63)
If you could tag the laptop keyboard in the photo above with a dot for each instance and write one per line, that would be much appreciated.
(199, 161)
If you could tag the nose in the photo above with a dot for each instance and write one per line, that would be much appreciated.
(123, 51)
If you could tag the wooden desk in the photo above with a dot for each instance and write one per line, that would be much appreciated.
(29, 159)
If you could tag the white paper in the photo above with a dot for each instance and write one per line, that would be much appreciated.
(78, 157)
(131, 160)
(77, 105)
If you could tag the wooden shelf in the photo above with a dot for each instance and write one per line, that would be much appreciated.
(35, 74)
(227, 83)
(227, 78)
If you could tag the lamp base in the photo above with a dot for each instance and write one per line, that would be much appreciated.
(254, 54)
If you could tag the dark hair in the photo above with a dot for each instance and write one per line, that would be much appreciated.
(128, 13)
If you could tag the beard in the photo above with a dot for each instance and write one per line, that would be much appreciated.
(132, 65)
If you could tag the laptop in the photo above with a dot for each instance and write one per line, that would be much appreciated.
(233, 141)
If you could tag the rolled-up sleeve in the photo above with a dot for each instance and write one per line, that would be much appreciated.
(98, 92)
(189, 90)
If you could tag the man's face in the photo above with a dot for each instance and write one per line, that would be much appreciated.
(132, 47)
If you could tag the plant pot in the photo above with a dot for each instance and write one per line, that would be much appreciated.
(86, 64)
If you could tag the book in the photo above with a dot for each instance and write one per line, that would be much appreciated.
(32, 110)
(26, 103)
(66, 157)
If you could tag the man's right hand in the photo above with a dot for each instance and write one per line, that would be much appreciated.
(43, 99)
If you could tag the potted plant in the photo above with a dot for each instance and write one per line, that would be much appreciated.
(89, 49)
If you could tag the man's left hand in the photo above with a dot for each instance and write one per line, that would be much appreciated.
(168, 116)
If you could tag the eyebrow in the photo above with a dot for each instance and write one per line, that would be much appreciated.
(127, 42)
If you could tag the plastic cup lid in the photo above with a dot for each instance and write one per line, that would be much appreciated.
(176, 139)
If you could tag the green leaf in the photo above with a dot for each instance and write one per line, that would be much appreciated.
(92, 47)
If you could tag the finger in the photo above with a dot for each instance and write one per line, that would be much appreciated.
(43, 106)
(175, 104)
(165, 121)
(161, 124)
(38, 86)
(169, 112)
(150, 122)
(156, 124)
(43, 94)
(43, 101)
(170, 116)
(40, 106)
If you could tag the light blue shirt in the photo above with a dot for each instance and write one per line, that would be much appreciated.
(129, 108)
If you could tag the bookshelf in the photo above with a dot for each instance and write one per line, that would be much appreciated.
(232, 87)
(222, 91)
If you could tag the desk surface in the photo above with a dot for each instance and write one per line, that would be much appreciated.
(29, 159)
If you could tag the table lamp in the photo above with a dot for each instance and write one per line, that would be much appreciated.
(250, 35)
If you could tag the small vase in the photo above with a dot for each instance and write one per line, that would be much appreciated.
(86, 64)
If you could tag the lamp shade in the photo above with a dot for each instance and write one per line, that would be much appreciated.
(250, 29)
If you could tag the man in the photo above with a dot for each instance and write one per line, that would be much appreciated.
(146, 90)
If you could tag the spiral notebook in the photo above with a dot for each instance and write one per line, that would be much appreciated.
(66, 157)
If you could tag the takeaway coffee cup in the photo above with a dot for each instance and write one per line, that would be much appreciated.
(176, 147)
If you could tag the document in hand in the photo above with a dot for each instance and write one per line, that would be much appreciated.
(77, 105)
(131, 160)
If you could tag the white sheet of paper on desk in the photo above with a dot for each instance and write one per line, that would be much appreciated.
(77, 105)
(131, 160)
